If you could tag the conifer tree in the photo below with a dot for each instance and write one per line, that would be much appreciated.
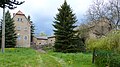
(64, 32)
(10, 35)
(32, 28)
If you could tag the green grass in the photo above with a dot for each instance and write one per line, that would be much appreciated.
(26, 57)
(19, 57)
(75, 59)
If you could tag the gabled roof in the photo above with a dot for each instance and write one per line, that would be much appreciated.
(19, 13)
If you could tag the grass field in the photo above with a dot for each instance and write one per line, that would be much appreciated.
(26, 57)
(74, 59)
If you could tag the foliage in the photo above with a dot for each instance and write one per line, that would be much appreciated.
(49, 47)
(19, 57)
(64, 29)
(43, 34)
(83, 32)
(10, 3)
(109, 42)
(107, 58)
(102, 58)
(115, 60)
(78, 46)
(10, 35)
(32, 28)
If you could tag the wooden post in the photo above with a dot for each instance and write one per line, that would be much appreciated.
(93, 58)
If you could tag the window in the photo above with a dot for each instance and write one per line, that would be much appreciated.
(19, 19)
(18, 28)
(25, 38)
(18, 37)
(25, 28)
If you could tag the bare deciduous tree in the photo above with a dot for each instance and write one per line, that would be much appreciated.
(108, 10)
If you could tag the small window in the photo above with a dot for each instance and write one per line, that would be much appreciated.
(19, 19)
(25, 28)
(18, 28)
(25, 38)
(18, 37)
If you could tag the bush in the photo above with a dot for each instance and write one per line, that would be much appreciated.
(107, 58)
(48, 47)
(109, 42)
(115, 60)
(102, 58)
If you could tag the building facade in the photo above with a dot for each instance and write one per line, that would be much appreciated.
(23, 29)
(51, 40)
(40, 40)
(44, 40)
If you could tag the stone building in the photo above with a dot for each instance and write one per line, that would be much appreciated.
(23, 29)
(51, 40)
(40, 41)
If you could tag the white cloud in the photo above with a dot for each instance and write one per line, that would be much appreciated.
(43, 11)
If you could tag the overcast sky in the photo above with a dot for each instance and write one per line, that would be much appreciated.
(43, 11)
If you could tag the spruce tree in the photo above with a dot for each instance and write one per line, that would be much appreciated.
(64, 25)
(32, 28)
(10, 35)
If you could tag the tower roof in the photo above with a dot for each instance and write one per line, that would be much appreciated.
(19, 13)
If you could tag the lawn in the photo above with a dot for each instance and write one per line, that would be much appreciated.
(26, 57)
(19, 57)
(74, 59)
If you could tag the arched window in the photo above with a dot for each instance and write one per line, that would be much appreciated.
(25, 38)
(18, 37)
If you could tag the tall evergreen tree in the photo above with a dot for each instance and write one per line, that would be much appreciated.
(10, 35)
(64, 25)
(32, 28)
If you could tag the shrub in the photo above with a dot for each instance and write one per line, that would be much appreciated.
(115, 60)
(109, 42)
(107, 58)
(102, 58)
(48, 47)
